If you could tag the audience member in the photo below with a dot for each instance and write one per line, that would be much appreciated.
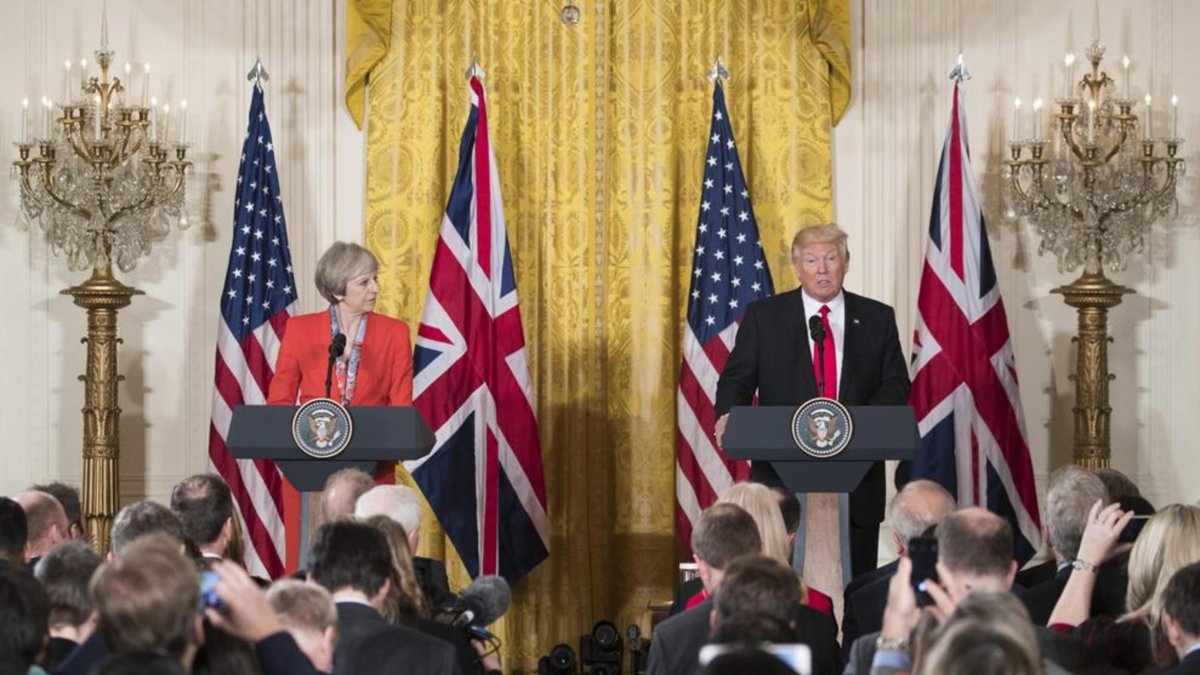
(971, 646)
(139, 663)
(760, 585)
(204, 507)
(747, 660)
(1069, 498)
(47, 522)
(140, 519)
(917, 507)
(14, 532)
(307, 611)
(789, 508)
(68, 497)
(352, 561)
(722, 533)
(1181, 618)
(221, 653)
(23, 619)
(1117, 485)
(403, 505)
(64, 573)
(341, 492)
(752, 628)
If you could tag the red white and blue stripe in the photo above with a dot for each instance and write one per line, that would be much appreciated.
(965, 392)
(484, 477)
(729, 272)
(258, 296)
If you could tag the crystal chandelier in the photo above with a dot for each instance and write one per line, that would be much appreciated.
(105, 180)
(1093, 193)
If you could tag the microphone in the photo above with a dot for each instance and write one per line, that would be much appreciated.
(336, 347)
(816, 329)
(480, 604)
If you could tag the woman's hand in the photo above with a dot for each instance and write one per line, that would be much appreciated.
(1103, 529)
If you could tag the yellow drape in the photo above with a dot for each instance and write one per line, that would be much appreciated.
(599, 131)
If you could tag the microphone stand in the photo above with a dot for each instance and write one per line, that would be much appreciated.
(335, 350)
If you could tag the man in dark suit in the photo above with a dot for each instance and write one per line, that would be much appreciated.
(1181, 619)
(863, 364)
(1069, 500)
(352, 561)
(917, 507)
(722, 533)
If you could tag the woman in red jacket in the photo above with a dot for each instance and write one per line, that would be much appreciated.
(376, 366)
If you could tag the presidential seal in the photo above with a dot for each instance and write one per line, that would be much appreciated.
(322, 428)
(822, 427)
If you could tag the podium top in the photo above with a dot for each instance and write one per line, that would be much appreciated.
(381, 433)
(763, 434)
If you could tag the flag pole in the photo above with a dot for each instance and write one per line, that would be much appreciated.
(718, 72)
(258, 73)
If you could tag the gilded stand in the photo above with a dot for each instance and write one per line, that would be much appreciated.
(1092, 294)
(101, 295)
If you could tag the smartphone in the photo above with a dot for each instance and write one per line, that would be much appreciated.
(923, 552)
(1132, 529)
(208, 591)
(798, 657)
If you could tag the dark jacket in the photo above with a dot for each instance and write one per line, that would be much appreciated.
(367, 643)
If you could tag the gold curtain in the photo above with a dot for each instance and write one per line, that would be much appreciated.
(599, 130)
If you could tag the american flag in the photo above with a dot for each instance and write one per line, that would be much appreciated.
(258, 297)
(729, 272)
(471, 381)
(964, 390)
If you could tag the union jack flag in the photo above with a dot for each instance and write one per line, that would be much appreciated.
(729, 272)
(964, 390)
(258, 297)
(471, 381)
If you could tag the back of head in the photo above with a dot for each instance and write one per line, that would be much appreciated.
(405, 595)
(341, 492)
(1169, 541)
(918, 506)
(141, 519)
(147, 598)
(752, 628)
(302, 606)
(977, 543)
(14, 531)
(758, 584)
(348, 555)
(724, 532)
(971, 646)
(203, 504)
(1069, 500)
(397, 502)
(23, 614)
(789, 508)
(224, 654)
(44, 516)
(747, 660)
(68, 497)
(999, 607)
(1181, 599)
(139, 663)
(758, 501)
(1116, 484)
(65, 572)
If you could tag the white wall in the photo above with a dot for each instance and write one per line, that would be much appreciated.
(199, 50)
(887, 149)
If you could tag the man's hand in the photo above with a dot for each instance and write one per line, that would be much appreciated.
(719, 430)
(946, 593)
(902, 614)
(250, 615)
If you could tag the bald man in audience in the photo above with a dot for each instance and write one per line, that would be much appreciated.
(47, 521)
(341, 493)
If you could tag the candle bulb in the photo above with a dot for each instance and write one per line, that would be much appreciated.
(1037, 119)
(83, 74)
(25, 119)
(67, 83)
(96, 119)
(146, 85)
(126, 82)
(165, 128)
(1017, 120)
(104, 27)
(1069, 71)
(153, 118)
(1091, 122)
(49, 117)
(183, 122)
(1174, 116)
(1125, 84)
(1146, 127)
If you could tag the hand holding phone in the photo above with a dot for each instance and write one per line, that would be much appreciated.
(923, 552)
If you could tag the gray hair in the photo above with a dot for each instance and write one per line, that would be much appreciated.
(142, 518)
(342, 262)
(395, 502)
(918, 506)
(64, 573)
(1069, 500)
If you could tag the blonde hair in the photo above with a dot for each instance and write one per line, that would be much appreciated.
(302, 606)
(762, 506)
(975, 646)
(1170, 540)
(338, 265)
(829, 233)
(405, 595)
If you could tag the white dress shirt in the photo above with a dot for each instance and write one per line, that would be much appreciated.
(837, 325)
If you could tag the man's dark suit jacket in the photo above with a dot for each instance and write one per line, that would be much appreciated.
(854, 605)
(1108, 597)
(772, 356)
(684, 592)
(1028, 578)
(457, 637)
(1190, 665)
(367, 643)
(431, 577)
(676, 642)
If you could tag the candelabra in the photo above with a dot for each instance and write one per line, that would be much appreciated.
(1092, 199)
(103, 185)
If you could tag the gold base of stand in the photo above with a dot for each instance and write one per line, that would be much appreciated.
(101, 295)
(1092, 295)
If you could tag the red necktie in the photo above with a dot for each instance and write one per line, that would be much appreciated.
(830, 375)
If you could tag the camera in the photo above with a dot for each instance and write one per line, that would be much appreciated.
(560, 661)
(601, 650)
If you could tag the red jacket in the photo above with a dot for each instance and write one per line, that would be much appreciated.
(384, 369)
